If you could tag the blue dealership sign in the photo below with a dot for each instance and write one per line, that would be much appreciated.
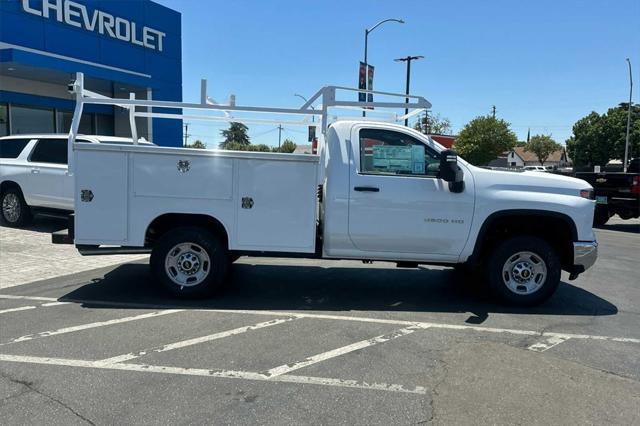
(136, 43)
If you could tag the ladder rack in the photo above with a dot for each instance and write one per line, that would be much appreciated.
(326, 96)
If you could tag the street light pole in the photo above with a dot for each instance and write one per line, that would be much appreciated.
(408, 60)
(313, 117)
(366, 46)
(626, 144)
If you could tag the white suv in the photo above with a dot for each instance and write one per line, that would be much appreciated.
(34, 175)
(536, 169)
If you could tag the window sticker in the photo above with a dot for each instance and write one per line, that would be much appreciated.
(399, 159)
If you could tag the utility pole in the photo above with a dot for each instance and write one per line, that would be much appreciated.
(626, 144)
(279, 134)
(408, 60)
(186, 133)
(493, 111)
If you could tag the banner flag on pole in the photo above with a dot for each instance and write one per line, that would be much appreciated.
(362, 82)
(370, 84)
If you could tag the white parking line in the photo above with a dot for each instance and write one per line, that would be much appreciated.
(55, 304)
(195, 341)
(227, 374)
(27, 308)
(287, 368)
(547, 344)
(66, 330)
(16, 297)
(356, 319)
(21, 308)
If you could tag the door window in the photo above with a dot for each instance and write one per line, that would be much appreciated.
(50, 151)
(388, 152)
(11, 148)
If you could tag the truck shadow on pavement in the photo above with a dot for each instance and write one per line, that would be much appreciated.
(299, 288)
(44, 224)
(632, 227)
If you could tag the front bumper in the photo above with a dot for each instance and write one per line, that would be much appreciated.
(585, 254)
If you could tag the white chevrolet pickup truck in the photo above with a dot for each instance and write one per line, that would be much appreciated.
(375, 191)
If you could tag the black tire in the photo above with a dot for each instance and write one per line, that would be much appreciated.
(20, 213)
(601, 216)
(522, 295)
(213, 263)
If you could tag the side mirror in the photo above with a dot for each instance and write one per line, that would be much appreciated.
(450, 172)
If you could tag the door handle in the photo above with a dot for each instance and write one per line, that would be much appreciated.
(366, 189)
(35, 170)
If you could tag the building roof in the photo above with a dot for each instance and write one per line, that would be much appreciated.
(303, 149)
(501, 161)
(527, 156)
(445, 140)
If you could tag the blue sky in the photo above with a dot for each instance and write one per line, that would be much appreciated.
(544, 64)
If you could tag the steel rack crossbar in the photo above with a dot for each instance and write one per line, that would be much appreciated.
(326, 97)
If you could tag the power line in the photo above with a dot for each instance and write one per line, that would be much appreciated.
(264, 133)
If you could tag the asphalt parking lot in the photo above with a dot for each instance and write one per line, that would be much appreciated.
(301, 342)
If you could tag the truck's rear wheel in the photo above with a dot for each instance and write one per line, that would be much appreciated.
(524, 271)
(190, 262)
(14, 211)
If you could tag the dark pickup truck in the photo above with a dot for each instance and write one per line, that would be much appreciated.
(615, 192)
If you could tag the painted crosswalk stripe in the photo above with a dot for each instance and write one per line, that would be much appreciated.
(81, 327)
(194, 341)
(287, 368)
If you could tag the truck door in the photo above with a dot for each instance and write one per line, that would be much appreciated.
(397, 204)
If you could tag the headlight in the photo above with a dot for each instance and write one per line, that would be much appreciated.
(588, 194)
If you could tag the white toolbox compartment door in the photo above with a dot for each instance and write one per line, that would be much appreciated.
(100, 197)
(276, 205)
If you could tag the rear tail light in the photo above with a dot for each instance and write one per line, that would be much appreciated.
(635, 185)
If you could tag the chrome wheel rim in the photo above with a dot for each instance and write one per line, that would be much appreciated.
(11, 207)
(187, 264)
(524, 273)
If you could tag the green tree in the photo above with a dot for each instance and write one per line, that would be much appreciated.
(484, 138)
(287, 146)
(433, 124)
(234, 146)
(259, 148)
(197, 144)
(543, 146)
(236, 135)
(599, 138)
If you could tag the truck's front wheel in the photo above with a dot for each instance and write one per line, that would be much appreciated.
(190, 262)
(524, 270)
